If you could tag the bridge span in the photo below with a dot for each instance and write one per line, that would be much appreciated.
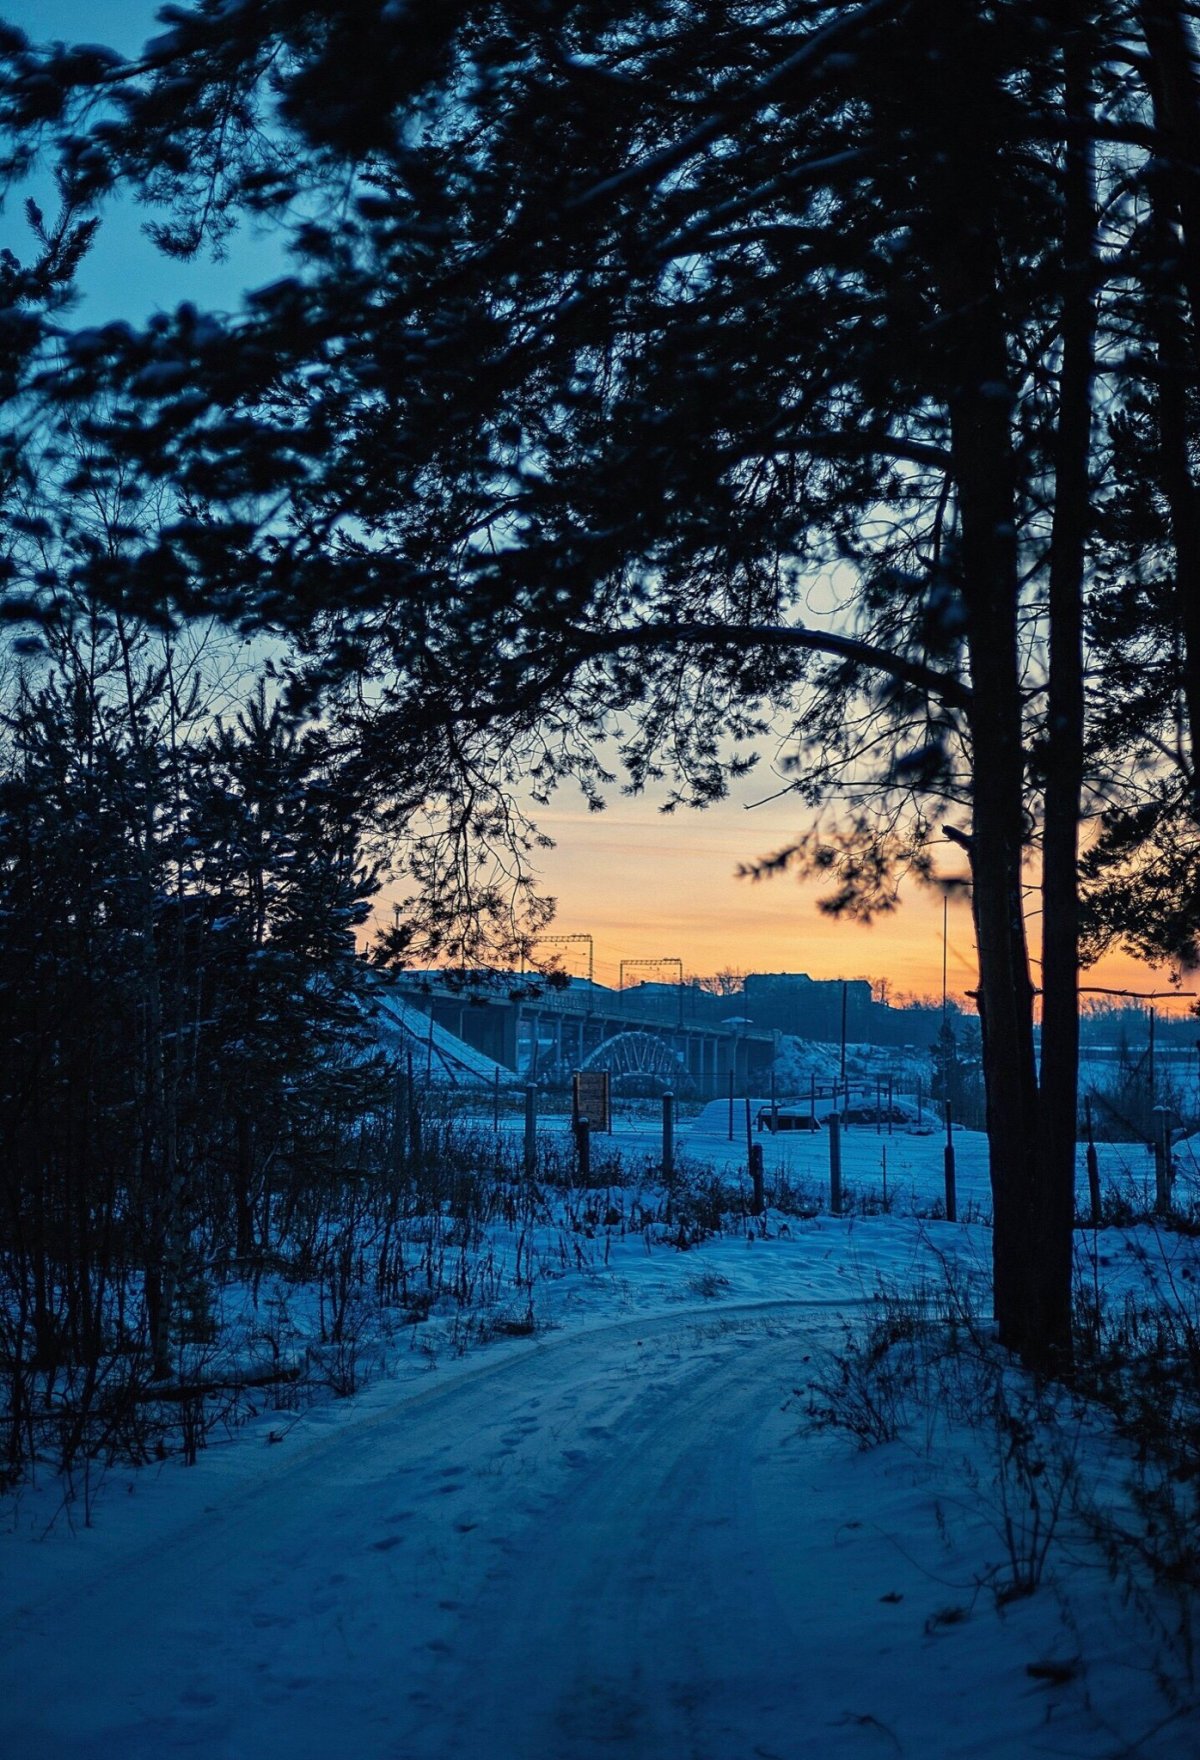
(649, 1036)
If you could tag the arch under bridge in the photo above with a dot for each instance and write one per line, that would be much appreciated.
(636, 1060)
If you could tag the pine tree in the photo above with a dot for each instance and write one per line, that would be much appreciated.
(637, 322)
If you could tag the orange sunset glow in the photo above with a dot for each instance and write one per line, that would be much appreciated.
(646, 885)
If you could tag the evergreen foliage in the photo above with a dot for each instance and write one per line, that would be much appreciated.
(184, 1054)
(784, 370)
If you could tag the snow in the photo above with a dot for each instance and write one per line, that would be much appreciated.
(908, 1160)
(439, 1056)
(623, 1534)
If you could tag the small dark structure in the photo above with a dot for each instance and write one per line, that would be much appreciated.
(786, 1118)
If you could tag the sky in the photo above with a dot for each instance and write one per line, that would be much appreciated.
(122, 24)
(643, 886)
(649, 886)
(124, 275)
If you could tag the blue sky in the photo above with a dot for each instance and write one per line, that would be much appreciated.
(122, 24)
(123, 275)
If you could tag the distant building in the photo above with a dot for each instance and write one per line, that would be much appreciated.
(810, 1008)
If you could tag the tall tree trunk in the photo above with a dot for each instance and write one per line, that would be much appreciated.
(1049, 1341)
(1174, 82)
(979, 400)
(1005, 990)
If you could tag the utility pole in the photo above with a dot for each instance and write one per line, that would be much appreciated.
(630, 964)
(591, 960)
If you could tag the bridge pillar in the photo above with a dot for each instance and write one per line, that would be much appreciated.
(508, 1037)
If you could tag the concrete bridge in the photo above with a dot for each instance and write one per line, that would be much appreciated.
(651, 1035)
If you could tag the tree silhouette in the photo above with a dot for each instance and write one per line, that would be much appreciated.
(729, 370)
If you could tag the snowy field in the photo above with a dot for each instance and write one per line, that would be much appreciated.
(633, 1532)
(901, 1169)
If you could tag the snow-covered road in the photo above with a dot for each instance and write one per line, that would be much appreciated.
(564, 1548)
(618, 1537)
(640, 1610)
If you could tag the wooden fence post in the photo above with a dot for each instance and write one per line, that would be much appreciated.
(1160, 1117)
(530, 1131)
(835, 1164)
(948, 1159)
(758, 1201)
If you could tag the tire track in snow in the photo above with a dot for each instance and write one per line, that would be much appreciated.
(551, 1552)
(640, 1614)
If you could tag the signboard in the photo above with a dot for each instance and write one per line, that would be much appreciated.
(589, 1098)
